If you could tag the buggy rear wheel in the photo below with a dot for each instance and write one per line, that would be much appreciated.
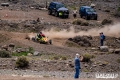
(50, 41)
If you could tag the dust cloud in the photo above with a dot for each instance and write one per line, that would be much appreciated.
(111, 30)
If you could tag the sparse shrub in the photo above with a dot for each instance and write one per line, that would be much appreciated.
(55, 57)
(22, 62)
(80, 22)
(117, 13)
(107, 10)
(5, 54)
(86, 70)
(63, 58)
(106, 21)
(71, 44)
(118, 60)
(77, 22)
(104, 63)
(22, 51)
(87, 57)
(30, 49)
(85, 23)
(20, 54)
(58, 57)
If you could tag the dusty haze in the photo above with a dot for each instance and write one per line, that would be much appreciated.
(111, 30)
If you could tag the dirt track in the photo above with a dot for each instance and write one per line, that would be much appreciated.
(39, 78)
(6, 77)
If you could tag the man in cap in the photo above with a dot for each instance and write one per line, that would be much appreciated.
(102, 38)
(77, 66)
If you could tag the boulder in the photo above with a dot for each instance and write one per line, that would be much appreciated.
(5, 47)
(104, 48)
(117, 51)
(36, 53)
(111, 50)
(29, 54)
(5, 4)
(11, 45)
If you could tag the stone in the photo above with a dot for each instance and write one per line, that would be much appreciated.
(104, 63)
(111, 50)
(5, 47)
(71, 65)
(36, 53)
(0, 8)
(117, 51)
(86, 65)
(104, 48)
(16, 68)
(94, 65)
(29, 54)
(11, 45)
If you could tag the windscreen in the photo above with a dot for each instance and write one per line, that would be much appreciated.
(59, 6)
(90, 10)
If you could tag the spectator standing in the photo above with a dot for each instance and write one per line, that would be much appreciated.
(102, 38)
(75, 13)
(77, 66)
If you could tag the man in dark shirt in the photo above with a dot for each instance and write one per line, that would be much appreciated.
(102, 38)
(77, 66)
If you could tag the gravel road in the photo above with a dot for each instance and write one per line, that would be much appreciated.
(47, 75)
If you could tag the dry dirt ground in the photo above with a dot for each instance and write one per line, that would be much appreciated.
(6, 77)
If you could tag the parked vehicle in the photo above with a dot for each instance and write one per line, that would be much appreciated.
(88, 13)
(58, 9)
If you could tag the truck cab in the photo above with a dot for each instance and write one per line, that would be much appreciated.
(88, 13)
(58, 9)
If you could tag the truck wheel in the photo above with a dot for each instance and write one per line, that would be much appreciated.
(56, 14)
(50, 41)
(95, 18)
(80, 15)
(87, 18)
(33, 39)
(67, 16)
(49, 12)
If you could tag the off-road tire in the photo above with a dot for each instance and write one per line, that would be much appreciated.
(49, 12)
(95, 18)
(50, 41)
(87, 18)
(56, 14)
(81, 16)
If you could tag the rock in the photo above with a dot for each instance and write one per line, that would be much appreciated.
(36, 53)
(5, 4)
(11, 45)
(86, 65)
(94, 65)
(16, 68)
(5, 47)
(104, 63)
(117, 51)
(104, 48)
(23, 50)
(4, 65)
(71, 65)
(111, 50)
(100, 53)
(18, 50)
(94, 49)
(29, 54)
(0, 8)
